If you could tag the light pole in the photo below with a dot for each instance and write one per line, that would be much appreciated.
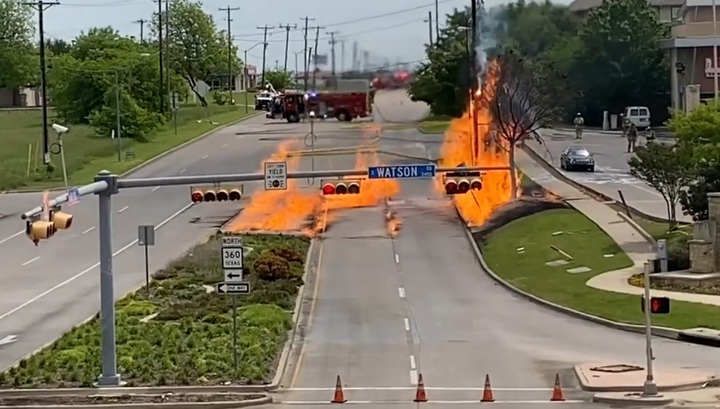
(245, 73)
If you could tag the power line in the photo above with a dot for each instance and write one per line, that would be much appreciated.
(265, 29)
(287, 28)
(41, 6)
(229, 10)
(142, 29)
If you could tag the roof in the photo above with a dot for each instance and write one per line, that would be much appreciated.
(585, 5)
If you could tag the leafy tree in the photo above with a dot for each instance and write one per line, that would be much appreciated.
(618, 62)
(700, 126)
(197, 50)
(667, 169)
(57, 46)
(135, 122)
(706, 179)
(518, 94)
(18, 63)
(279, 79)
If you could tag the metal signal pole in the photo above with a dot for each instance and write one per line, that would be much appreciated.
(229, 10)
(287, 28)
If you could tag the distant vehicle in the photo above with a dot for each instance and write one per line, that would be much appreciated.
(344, 106)
(263, 100)
(577, 157)
(640, 116)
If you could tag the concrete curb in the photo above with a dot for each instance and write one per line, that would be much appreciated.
(583, 188)
(637, 228)
(179, 405)
(152, 159)
(419, 129)
(631, 399)
(584, 384)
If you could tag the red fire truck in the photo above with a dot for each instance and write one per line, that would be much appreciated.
(344, 106)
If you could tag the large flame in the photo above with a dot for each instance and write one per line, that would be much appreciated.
(458, 149)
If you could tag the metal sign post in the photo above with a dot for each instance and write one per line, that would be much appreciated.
(146, 238)
(275, 175)
(233, 260)
(649, 387)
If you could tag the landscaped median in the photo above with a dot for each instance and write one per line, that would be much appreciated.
(180, 333)
(517, 253)
(435, 124)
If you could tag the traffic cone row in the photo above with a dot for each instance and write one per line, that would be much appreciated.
(421, 394)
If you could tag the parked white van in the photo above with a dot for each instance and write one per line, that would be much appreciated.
(640, 116)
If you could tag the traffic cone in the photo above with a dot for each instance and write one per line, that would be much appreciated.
(557, 395)
(339, 396)
(487, 395)
(420, 395)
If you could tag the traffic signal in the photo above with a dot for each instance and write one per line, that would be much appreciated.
(462, 182)
(198, 195)
(658, 305)
(341, 187)
(39, 230)
(60, 219)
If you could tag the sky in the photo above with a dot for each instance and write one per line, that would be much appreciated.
(391, 31)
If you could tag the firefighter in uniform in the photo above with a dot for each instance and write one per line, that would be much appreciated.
(579, 125)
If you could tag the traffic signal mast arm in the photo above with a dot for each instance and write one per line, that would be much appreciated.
(101, 185)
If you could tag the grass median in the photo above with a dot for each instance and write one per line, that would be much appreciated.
(435, 124)
(588, 245)
(180, 333)
(21, 164)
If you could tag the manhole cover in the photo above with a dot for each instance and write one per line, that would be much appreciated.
(617, 368)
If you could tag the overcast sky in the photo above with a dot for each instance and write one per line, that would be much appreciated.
(396, 37)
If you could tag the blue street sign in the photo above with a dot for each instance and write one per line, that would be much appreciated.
(73, 195)
(402, 172)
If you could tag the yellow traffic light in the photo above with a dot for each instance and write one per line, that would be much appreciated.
(39, 230)
(62, 220)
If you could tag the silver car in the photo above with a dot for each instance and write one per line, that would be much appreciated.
(577, 158)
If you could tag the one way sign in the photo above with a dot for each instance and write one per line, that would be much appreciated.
(232, 288)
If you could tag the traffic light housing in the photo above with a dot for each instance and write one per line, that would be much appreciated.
(61, 220)
(340, 187)
(39, 230)
(461, 182)
(199, 195)
(658, 305)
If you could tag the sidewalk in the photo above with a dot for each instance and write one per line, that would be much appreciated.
(629, 240)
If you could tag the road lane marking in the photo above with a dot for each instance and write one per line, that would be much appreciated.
(8, 340)
(408, 388)
(397, 259)
(91, 268)
(88, 230)
(30, 261)
(182, 171)
(441, 402)
(407, 324)
(205, 157)
(155, 188)
(123, 209)
(313, 303)
(412, 362)
(224, 146)
(413, 377)
(401, 292)
(12, 237)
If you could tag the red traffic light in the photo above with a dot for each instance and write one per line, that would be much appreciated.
(451, 187)
(476, 184)
(328, 189)
(196, 196)
(463, 186)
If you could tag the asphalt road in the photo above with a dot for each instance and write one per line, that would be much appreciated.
(612, 172)
(50, 288)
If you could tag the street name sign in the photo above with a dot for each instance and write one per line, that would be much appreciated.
(275, 175)
(232, 288)
(231, 253)
(402, 172)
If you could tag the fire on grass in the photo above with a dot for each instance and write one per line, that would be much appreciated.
(302, 209)
(457, 149)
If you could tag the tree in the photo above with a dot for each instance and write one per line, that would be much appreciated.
(706, 179)
(519, 96)
(618, 62)
(667, 169)
(700, 126)
(279, 79)
(197, 50)
(57, 46)
(18, 65)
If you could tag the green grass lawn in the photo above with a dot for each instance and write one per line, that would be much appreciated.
(21, 165)
(435, 124)
(658, 230)
(587, 244)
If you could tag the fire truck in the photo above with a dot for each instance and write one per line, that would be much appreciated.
(345, 106)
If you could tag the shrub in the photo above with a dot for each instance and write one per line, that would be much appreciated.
(678, 252)
(270, 267)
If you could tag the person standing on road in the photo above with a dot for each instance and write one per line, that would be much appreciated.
(625, 127)
(632, 134)
(579, 125)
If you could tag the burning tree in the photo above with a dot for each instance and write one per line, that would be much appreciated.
(518, 94)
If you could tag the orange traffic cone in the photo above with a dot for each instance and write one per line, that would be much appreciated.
(339, 396)
(557, 395)
(420, 395)
(487, 395)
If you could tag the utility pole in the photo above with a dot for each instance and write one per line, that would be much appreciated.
(317, 38)
(167, 52)
(332, 57)
(229, 10)
(265, 29)
(142, 29)
(437, 21)
(160, 45)
(41, 6)
(342, 57)
(306, 56)
(430, 30)
(287, 28)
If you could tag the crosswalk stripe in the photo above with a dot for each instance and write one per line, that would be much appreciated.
(369, 402)
(412, 388)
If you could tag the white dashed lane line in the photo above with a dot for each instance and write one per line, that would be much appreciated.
(30, 261)
(88, 230)
(123, 209)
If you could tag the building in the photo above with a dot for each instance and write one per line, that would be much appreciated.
(20, 98)
(692, 38)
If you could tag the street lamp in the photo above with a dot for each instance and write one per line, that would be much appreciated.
(245, 70)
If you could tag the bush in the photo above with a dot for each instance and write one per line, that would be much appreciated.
(678, 252)
(271, 267)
